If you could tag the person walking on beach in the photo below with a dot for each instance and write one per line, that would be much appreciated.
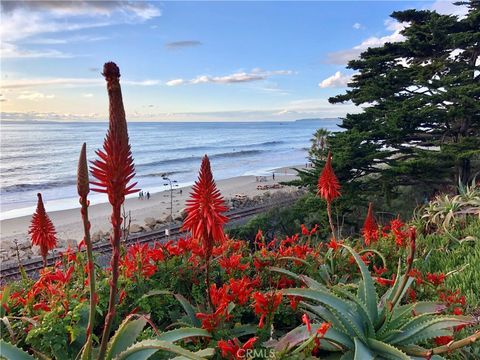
(273, 176)
(148, 195)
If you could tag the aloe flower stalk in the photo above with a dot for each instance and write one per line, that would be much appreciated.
(42, 230)
(328, 188)
(370, 227)
(113, 172)
(83, 189)
(204, 215)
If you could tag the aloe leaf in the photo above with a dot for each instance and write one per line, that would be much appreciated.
(349, 355)
(361, 309)
(138, 350)
(243, 330)
(206, 353)
(302, 278)
(182, 333)
(361, 351)
(325, 314)
(387, 351)
(125, 336)
(344, 311)
(168, 337)
(366, 290)
(437, 323)
(11, 352)
(300, 334)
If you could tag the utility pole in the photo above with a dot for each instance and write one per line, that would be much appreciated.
(171, 183)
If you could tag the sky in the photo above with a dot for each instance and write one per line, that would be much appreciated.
(188, 61)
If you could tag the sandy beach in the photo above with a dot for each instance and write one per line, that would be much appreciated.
(69, 226)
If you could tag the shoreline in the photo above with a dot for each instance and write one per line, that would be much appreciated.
(69, 227)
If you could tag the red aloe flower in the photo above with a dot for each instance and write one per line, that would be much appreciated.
(234, 350)
(204, 208)
(328, 188)
(204, 215)
(328, 185)
(265, 304)
(42, 230)
(114, 172)
(115, 169)
(370, 227)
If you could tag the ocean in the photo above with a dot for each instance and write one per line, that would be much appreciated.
(42, 157)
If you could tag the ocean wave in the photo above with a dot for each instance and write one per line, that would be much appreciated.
(162, 174)
(38, 186)
(198, 158)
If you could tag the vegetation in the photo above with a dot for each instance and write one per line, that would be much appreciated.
(420, 126)
(291, 284)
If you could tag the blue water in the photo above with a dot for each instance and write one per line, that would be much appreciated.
(42, 157)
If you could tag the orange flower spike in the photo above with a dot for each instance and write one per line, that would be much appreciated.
(328, 184)
(205, 210)
(114, 169)
(370, 227)
(42, 230)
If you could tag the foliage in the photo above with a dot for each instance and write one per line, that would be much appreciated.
(445, 211)
(361, 326)
(420, 123)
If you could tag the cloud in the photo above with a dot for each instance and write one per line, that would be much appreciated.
(34, 96)
(175, 45)
(9, 50)
(50, 116)
(140, 9)
(175, 82)
(446, 7)
(68, 40)
(342, 57)
(88, 95)
(358, 26)
(22, 20)
(234, 78)
(70, 82)
(337, 80)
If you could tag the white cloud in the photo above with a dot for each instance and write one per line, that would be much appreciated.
(70, 82)
(9, 50)
(447, 7)
(88, 95)
(67, 40)
(22, 20)
(358, 26)
(34, 96)
(175, 82)
(335, 81)
(148, 82)
(256, 74)
(344, 56)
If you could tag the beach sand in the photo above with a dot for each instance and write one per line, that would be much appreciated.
(68, 223)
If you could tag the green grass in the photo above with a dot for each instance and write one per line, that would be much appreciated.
(441, 253)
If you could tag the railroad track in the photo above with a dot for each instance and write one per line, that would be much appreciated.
(33, 266)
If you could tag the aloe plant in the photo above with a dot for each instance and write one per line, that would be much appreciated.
(123, 346)
(362, 326)
(443, 212)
